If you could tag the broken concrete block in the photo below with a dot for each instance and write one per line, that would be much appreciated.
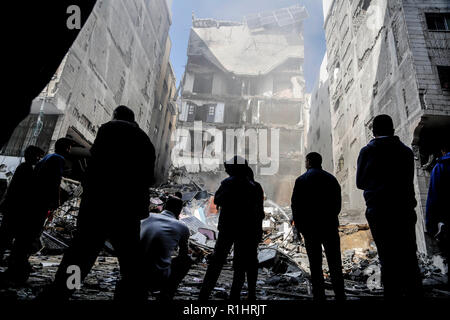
(199, 238)
(267, 225)
(439, 263)
(267, 255)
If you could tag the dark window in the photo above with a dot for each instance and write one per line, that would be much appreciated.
(165, 88)
(364, 4)
(444, 76)
(191, 112)
(438, 21)
(203, 83)
(234, 87)
(211, 112)
(201, 113)
(232, 114)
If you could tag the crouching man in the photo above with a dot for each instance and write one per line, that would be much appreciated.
(161, 234)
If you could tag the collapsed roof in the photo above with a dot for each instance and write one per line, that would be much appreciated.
(254, 48)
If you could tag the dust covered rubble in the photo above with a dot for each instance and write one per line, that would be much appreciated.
(284, 267)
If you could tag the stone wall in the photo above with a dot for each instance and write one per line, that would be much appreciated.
(319, 137)
(115, 60)
(121, 56)
(383, 59)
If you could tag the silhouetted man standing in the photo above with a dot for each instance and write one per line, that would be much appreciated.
(438, 202)
(44, 198)
(161, 234)
(115, 199)
(15, 205)
(316, 203)
(386, 174)
(239, 225)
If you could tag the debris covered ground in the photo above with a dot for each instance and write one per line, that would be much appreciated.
(284, 267)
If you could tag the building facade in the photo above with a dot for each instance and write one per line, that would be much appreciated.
(243, 93)
(392, 57)
(318, 133)
(120, 57)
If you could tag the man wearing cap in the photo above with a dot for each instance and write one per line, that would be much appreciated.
(161, 234)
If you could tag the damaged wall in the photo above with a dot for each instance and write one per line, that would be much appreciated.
(319, 124)
(117, 58)
(384, 57)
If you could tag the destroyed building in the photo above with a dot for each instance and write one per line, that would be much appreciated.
(121, 56)
(245, 80)
(388, 57)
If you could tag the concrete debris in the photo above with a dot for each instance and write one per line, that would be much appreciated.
(284, 266)
(199, 238)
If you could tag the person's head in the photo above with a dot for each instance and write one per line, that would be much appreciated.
(123, 113)
(383, 126)
(175, 205)
(33, 154)
(63, 146)
(313, 160)
(236, 166)
(250, 174)
(178, 194)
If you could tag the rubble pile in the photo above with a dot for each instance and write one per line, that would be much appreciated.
(433, 270)
(284, 266)
(60, 225)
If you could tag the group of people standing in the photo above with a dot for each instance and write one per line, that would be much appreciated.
(32, 193)
(385, 172)
(115, 207)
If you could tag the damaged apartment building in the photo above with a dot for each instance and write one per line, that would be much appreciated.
(245, 78)
(121, 56)
(389, 57)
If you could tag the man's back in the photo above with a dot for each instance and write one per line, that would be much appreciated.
(47, 179)
(316, 199)
(160, 235)
(19, 189)
(386, 173)
(121, 168)
(238, 199)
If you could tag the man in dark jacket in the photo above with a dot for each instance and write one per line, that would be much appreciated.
(438, 202)
(316, 203)
(239, 225)
(115, 199)
(386, 173)
(45, 197)
(15, 204)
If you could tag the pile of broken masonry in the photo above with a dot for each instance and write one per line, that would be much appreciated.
(284, 267)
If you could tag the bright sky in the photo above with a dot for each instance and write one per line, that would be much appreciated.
(235, 10)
